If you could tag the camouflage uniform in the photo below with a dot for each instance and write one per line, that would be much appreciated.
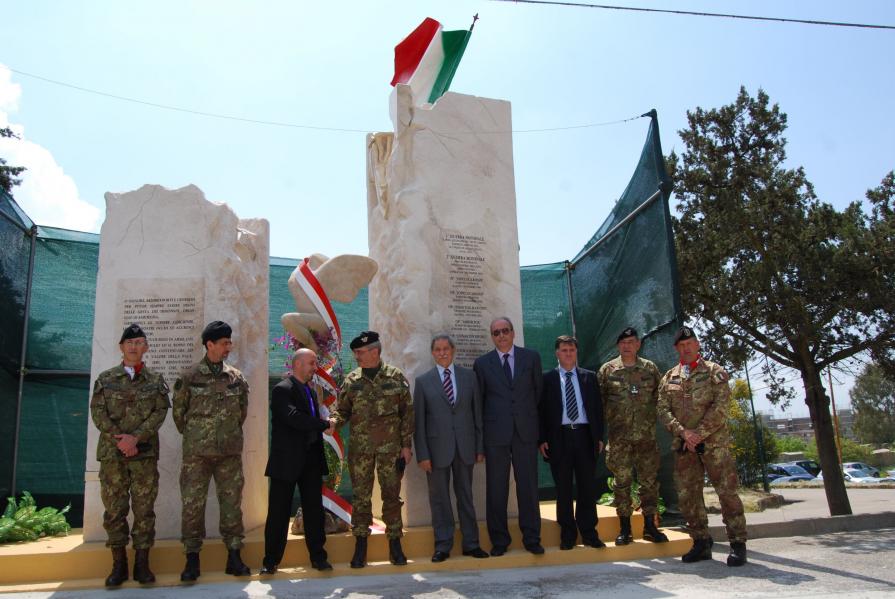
(699, 402)
(136, 407)
(210, 405)
(380, 413)
(629, 405)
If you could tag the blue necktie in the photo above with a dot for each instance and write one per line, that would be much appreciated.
(506, 368)
(571, 402)
(310, 401)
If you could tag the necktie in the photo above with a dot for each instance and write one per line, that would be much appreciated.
(449, 387)
(571, 403)
(506, 368)
(310, 401)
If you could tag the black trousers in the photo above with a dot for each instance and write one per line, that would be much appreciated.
(575, 459)
(279, 510)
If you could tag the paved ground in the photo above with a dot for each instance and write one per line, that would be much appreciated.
(851, 564)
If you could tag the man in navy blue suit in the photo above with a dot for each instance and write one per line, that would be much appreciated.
(510, 380)
(571, 438)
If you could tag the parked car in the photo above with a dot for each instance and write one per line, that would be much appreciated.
(870, 470)
(854, 476)
(811, 466)
(776, 471)
(791, 479)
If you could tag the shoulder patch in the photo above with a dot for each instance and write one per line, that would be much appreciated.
(721, 376)
(97, 386)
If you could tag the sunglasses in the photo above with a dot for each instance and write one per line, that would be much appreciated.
(499, 332)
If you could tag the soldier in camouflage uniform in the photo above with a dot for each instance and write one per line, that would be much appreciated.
(629, 385)
(211, 402)
(128, 407)
(693, 405)
(375, 400)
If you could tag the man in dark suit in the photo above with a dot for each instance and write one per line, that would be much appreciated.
(447, 408)
(571, 438)
(510, 380)
(296, 458)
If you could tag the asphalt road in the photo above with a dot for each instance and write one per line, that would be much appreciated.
(851, 564)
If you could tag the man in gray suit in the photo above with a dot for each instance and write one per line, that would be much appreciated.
(448, 438)
(510, 380)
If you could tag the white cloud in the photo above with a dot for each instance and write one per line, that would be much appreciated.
(47, 194)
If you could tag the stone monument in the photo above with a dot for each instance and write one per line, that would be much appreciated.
(172, 261)
(441, 206)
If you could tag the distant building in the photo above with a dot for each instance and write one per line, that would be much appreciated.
(803, 427)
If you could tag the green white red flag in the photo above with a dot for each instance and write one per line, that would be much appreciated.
(427, 59)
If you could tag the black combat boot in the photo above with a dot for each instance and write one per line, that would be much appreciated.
(624, 535)
(142, 573)
(395, 553)
(737, 556)
(359, 560)
(235, 565)
(119, 567)
(650, 532)
(191, 569)
(702, 549)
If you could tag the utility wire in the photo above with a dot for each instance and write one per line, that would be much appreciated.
(701, 14)
(228, 117)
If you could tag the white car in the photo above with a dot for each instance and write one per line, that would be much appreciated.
(853, 476)
(870, 470)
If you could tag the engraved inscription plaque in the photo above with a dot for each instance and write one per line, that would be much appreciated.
(464, 254)
(171, 313)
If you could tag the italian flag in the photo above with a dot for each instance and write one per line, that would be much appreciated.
(427, 59)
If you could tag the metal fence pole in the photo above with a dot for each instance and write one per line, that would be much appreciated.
(759, 437)
(22, 371)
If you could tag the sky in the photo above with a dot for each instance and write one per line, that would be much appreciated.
(306, 72)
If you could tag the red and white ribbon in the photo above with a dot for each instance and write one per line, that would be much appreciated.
(312, 287)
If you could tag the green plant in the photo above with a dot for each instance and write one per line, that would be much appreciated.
(22, 521)
(608, 498)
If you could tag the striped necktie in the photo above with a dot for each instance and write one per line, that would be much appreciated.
(571, 402)
(449, 387)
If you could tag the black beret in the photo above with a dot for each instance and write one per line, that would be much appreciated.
(364, 339)
(216, 330)
(629, 332)
(683, 334)
(131, 331)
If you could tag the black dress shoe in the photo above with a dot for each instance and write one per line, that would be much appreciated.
(440, 556)
(566, 546)
(535, 548)
(497, 551)
(478, 552)
(595, 543)
(321, 564)
(268, 569)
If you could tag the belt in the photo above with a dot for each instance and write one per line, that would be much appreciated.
(575, 426)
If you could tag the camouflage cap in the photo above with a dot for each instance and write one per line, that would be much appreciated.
(364, 339)
(132, 331)
(683, 334)
(216, 330)
(628, 332)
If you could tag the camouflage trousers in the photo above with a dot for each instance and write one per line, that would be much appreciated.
(689, 470)
(623, 459)
(360, 467)
(129, 481)
(195, 474)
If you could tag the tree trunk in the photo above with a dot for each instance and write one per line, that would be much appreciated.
(824, 435)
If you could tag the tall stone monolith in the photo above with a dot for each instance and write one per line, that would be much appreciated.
(172, 261)
(441, 206)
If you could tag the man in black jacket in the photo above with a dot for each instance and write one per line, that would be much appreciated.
(296, 458)
(571, 437)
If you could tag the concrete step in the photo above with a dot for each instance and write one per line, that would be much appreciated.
(70, 563)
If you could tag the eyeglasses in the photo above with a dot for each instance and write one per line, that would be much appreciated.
(503, 331)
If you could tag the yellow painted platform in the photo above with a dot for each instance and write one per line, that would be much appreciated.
(67, 563)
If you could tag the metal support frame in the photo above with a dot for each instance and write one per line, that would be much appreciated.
(569, 268)
(619, 225)
(22, 370)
